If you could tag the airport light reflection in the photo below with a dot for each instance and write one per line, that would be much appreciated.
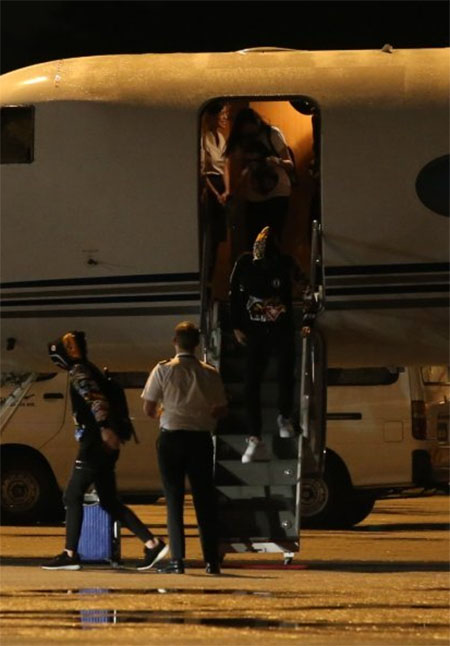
(38, 79)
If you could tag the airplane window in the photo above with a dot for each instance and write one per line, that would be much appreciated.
(17, 126)
(432, 185)
(130, 379)
(362, 376)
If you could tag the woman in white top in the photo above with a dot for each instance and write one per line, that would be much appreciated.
(262, 151)
(213, 145)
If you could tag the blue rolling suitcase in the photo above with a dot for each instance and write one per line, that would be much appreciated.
(100, 535)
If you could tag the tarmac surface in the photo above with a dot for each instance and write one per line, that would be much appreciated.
(384, 582)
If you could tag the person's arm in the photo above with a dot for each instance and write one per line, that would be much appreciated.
(151, 408)
(236, 302)
(298, 280)
(213, 190)
(110, 439)
(153, 393)
(218, 412)
(226, 180)
(240, 336)
(203, 156)
(220, 407)
(83, 381)
(279, 145)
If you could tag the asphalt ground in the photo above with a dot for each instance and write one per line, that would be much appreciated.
(384, 582)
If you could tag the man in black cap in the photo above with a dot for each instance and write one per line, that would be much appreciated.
(98, 453)
(262, 320)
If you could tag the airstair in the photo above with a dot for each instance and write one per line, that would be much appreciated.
(260, 502)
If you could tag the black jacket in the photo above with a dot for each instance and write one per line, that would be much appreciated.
(261, 292)
(89, 403)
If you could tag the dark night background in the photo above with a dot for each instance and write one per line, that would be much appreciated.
(33, 32)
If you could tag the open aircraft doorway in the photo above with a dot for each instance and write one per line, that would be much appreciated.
(224, 178)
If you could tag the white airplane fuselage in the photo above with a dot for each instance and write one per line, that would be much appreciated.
(100, 231)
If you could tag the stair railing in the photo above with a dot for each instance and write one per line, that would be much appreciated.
(313, 360)
(209, 309)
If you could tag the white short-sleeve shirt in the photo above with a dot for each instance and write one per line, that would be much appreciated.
(187, 389)
(213, 153)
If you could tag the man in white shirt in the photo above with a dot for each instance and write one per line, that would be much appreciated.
(192, 398)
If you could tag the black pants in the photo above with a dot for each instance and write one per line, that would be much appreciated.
(272, 213)
(181, 454)
(99, 472)
(262, 343)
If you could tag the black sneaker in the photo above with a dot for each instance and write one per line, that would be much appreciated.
(153, 554)
(212, 567)
(63, 562)
(175, 566)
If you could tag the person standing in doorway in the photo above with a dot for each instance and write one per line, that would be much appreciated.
(192, 398)
(212, 159)
(261, 152)
(99, 448)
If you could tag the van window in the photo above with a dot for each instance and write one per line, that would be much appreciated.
(436, 375)
(130, 379)
(16, 378)
(362, 376)
(17, 144)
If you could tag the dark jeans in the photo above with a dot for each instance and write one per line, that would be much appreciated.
(262, 343)
(181, 454)
(272, 213)
(102, 475)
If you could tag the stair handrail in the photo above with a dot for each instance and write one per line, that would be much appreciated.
(204, 300)
(313, 304)
(316, 273)
(209, 308)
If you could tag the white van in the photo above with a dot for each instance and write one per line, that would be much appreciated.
(387, 434)
(38, 449)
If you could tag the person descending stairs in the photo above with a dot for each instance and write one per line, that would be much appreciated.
(261, 478)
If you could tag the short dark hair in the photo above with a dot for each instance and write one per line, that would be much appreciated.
(214, 107)
(187, 335)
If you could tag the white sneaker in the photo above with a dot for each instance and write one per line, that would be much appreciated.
(285, 427)
(253, 444)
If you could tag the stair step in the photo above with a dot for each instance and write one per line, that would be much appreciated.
(236, 421)
(259, 496)
(275, 472)
(231, 447)
(245, 523)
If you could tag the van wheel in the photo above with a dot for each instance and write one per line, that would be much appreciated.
(357, 507)
(28, 491)
(330, 502)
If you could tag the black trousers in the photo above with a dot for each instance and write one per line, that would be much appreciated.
(272, 213)
(191, 454)
(263, 342)
(100, 472)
